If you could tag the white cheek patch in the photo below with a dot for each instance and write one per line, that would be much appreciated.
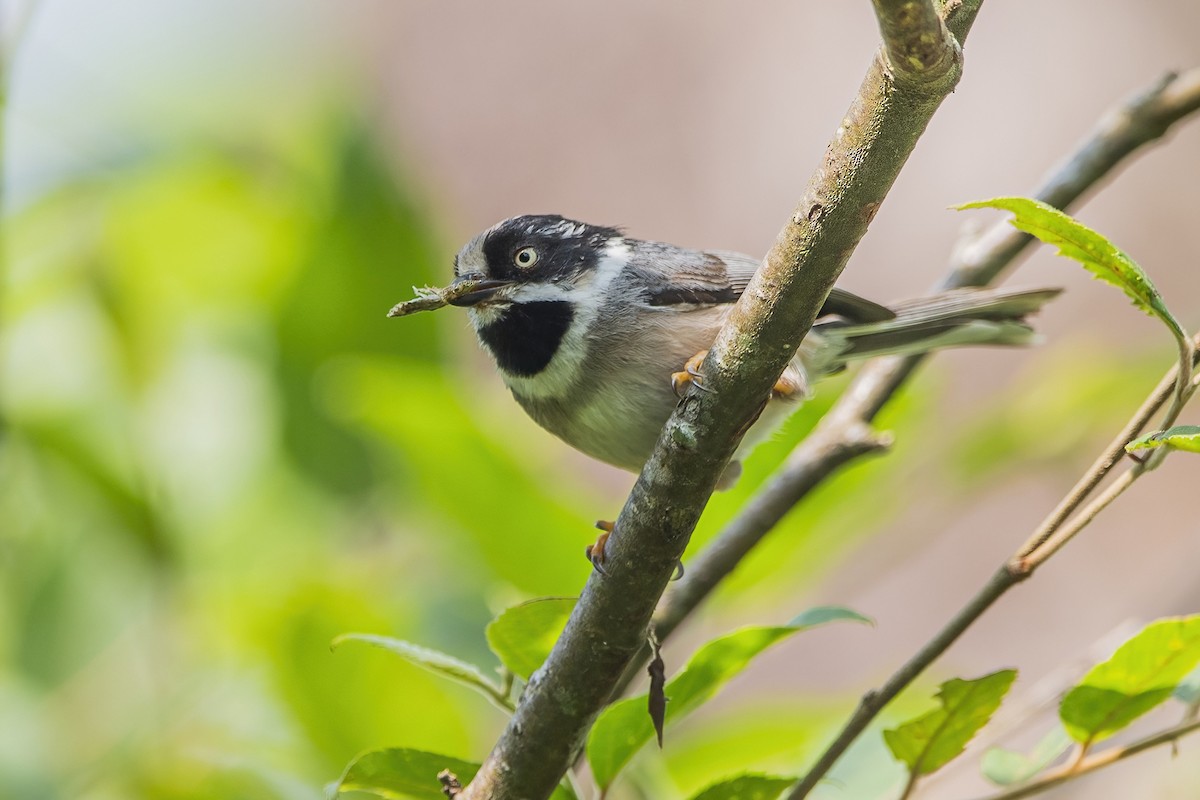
(586, 298)
(537, 292)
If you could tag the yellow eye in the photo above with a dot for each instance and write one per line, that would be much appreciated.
(526, 257)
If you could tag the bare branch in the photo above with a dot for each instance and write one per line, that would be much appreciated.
(1018, 567)
(777, 309)
(1144, 119)
(1056, 531)
(874, 701)
(915, 40)
(1097, 761)
(1126, 129)
(1112, 455)
(821, 453)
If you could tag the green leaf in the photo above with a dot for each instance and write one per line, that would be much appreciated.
(398, 773)
(624, 727)
(1006, 768)
(747, 787)
(767, 733)
(1098, 255)
(522, 636)
(1140, 675)
(1180, 437)
(932, 740)
(433, 660)
(821, 615)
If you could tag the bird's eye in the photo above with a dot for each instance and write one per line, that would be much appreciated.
(526, 257)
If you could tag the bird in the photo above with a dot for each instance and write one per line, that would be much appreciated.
(597, 334)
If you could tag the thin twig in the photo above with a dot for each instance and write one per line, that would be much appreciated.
(1017, 568)
(820, 454)
(1112, 455)
(1051, 535)
(1055, 531)
(1095, 762)
(1020, 709)
(763, 331)
(1127, 128)
(873, 702)
(1143, 119)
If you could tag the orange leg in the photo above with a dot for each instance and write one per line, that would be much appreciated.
(789, 385)
(595, 552)
(690, 374)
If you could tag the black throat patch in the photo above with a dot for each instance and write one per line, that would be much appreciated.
(526, 338)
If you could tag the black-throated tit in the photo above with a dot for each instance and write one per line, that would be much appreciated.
(591, 330)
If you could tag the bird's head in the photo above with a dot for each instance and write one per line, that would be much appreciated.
(540, 284)
(532, 259)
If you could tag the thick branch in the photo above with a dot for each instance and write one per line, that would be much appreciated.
(915, 40)
(765, 328)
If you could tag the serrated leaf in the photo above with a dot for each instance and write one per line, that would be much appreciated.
(932, 740)
(624, 727)
(1180, 437)
(1097, 254)
(1139, 676)
(522, 636)
(1006, 767)
(747, 787)
(433, 660)
(399, 773)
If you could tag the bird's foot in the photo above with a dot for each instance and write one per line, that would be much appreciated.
(789, 386)
(595, 552)
(690, 374)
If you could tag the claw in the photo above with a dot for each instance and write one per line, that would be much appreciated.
(690, 374)
(678, 571)
(595, 552)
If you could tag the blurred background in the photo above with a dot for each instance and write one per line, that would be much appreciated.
(216, 453)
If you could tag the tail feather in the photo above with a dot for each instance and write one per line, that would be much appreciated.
(950, 319)
(994, 304)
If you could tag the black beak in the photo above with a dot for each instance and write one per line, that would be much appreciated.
(483, 291)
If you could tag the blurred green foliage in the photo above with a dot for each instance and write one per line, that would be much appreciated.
(217, 454)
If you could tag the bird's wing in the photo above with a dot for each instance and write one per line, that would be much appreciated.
(712, 277)
(675, 276)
